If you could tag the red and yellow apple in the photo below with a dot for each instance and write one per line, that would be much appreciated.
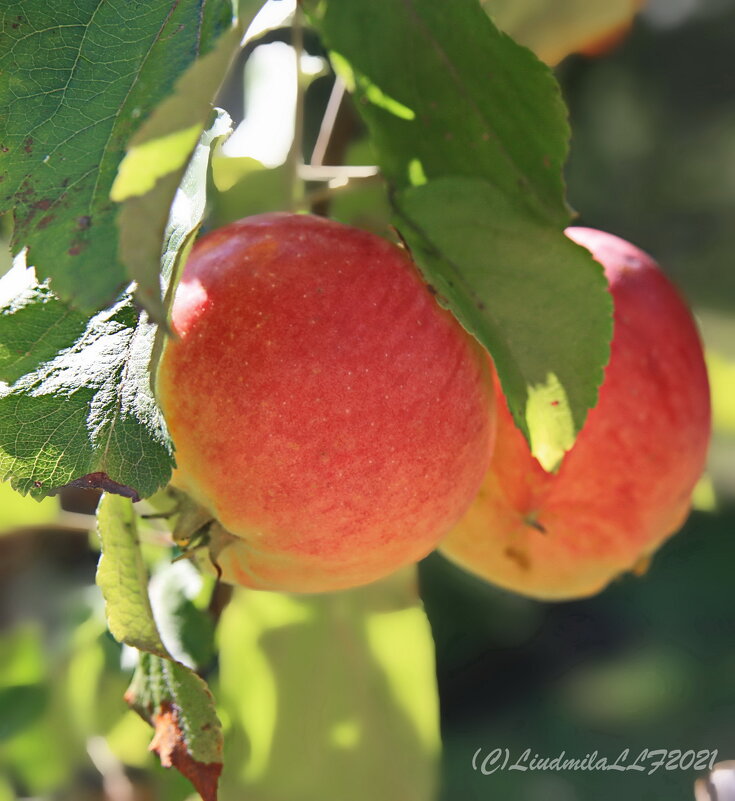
(324, 408)
(626, 484)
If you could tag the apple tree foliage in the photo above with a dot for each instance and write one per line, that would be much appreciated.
(105, 142)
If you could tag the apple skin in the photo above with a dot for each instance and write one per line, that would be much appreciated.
(626, 484)
(327, 411)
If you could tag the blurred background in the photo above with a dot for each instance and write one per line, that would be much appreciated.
(334, 698)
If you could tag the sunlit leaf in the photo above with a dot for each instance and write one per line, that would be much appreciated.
(330, 696)
(122, 577)
(78, 80)
(179, 706)
(173, 699)
(85, 414)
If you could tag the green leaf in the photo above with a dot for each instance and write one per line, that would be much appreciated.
(164, 692)
(355, 670)
(451, 95)
(187, 630)
(122, 577)
(78, 80)
(471, 131)
(515, 284)
(161, 682)
(152, 171)
(85, 411)
(34, 324)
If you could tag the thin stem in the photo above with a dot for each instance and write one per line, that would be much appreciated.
(295, 155)
(327, 127)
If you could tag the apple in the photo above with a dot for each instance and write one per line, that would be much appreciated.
(626, 484)
(332, 417)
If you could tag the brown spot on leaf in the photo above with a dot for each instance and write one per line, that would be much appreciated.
(104, 482)
(76, 248)
(84, 222)
(168, 742)
(42, 204)
(520, 558)
(4, 149)
(47, 220)
(28, 145)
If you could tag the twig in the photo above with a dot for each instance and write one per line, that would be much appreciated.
(295, 154)
(328, 120)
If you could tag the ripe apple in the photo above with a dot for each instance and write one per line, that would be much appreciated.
(328, 412)
(625, 486)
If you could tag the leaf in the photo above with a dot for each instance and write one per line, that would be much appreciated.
(177, 703)
(179, 706)
(122, 577)
(78, 80)
(22, 706)
(354, 670)
(555, 28)
(513, 290)
(87, 415)
(34, 324)
(24, 687)
(186, 629)
(448, 94)
(471, 131)
(152, 170)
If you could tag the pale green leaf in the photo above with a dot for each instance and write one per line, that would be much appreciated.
(122, 576)
(355, 670)
(173, 699)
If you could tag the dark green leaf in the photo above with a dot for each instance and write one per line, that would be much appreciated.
(78, 79)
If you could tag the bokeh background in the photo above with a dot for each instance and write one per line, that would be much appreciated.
(334, 698)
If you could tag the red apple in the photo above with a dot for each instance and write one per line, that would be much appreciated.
(327, 411)
(626, 484)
